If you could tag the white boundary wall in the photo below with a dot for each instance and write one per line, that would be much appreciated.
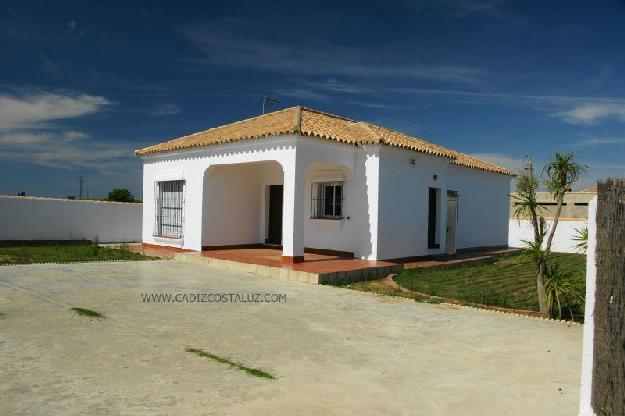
(585, 407)
(30, 218)
(563, 241)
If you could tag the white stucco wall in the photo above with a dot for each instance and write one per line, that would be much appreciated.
(353, 233)
(403, 211)
(232, 204)
(483, 205)
(27, 218)
(562, 240)
(403, 202)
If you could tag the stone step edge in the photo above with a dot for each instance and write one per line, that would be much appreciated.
(342, 277)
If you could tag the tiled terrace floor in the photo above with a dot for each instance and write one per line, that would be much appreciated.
(316, 268)
(313, 263)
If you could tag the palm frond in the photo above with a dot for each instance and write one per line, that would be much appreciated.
(564, 291)
(561, 173)
(581, 236)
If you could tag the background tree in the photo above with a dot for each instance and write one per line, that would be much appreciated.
(559, 175)
(120, 195)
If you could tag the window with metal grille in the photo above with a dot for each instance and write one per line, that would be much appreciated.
(327, 200)
(169, 209)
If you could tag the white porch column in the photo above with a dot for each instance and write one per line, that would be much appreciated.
(293, 210)
(372, 189)
(193, 199)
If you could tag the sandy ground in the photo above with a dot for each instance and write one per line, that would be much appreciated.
(333, 350)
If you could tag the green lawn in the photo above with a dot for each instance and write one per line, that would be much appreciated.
(63, 253)
(510, 282)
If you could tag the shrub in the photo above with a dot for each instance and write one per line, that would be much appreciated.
(564, 292)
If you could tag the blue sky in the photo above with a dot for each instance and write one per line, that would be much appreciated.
(82, 85)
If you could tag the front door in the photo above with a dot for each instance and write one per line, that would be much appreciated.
(274, 232)
(452, 217)
(432, 220)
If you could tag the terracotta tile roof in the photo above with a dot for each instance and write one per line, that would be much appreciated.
(313, 123)
(471, 162)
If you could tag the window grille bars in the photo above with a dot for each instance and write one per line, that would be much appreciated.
(326, 200)
(169, 219)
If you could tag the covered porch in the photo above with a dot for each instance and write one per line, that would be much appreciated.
(290, 192)
(284, 214)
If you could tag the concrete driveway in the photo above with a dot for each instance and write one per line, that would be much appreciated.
(334, 351)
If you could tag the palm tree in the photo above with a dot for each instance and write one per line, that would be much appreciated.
(561, 173)
(559, 176)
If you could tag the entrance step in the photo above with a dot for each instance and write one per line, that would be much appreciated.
(287, 273)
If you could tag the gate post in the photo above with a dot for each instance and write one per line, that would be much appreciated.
(585, 408)
(604, 352)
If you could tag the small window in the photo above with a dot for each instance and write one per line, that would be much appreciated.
(169, 209)
(327, 200)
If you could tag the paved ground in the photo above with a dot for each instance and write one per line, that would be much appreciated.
(334, 351)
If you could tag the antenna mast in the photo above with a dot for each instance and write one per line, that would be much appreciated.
(269, 98)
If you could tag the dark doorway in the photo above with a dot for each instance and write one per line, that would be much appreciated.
(274, 232)
(432, 219)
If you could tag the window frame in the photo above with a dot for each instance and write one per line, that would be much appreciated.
(319, 202)
(176, 202)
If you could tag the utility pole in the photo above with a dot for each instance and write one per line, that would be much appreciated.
(269, 98)
(82, 180)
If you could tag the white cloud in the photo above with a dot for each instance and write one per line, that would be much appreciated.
(597, 141)
(33, 110)
(369, 104)
(569, 109)
(462, 8)
(500, 159)
(334, 85)
(18, 139)
(302, 94)
(74, 30)
(28, 134)
(166, 109)
(75, 135)
(592, 112)
(224, 43)
(600, 170)
(64, 150)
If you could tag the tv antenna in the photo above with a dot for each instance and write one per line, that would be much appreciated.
(269, 98)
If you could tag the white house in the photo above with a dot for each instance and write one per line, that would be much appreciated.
(302, 178)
